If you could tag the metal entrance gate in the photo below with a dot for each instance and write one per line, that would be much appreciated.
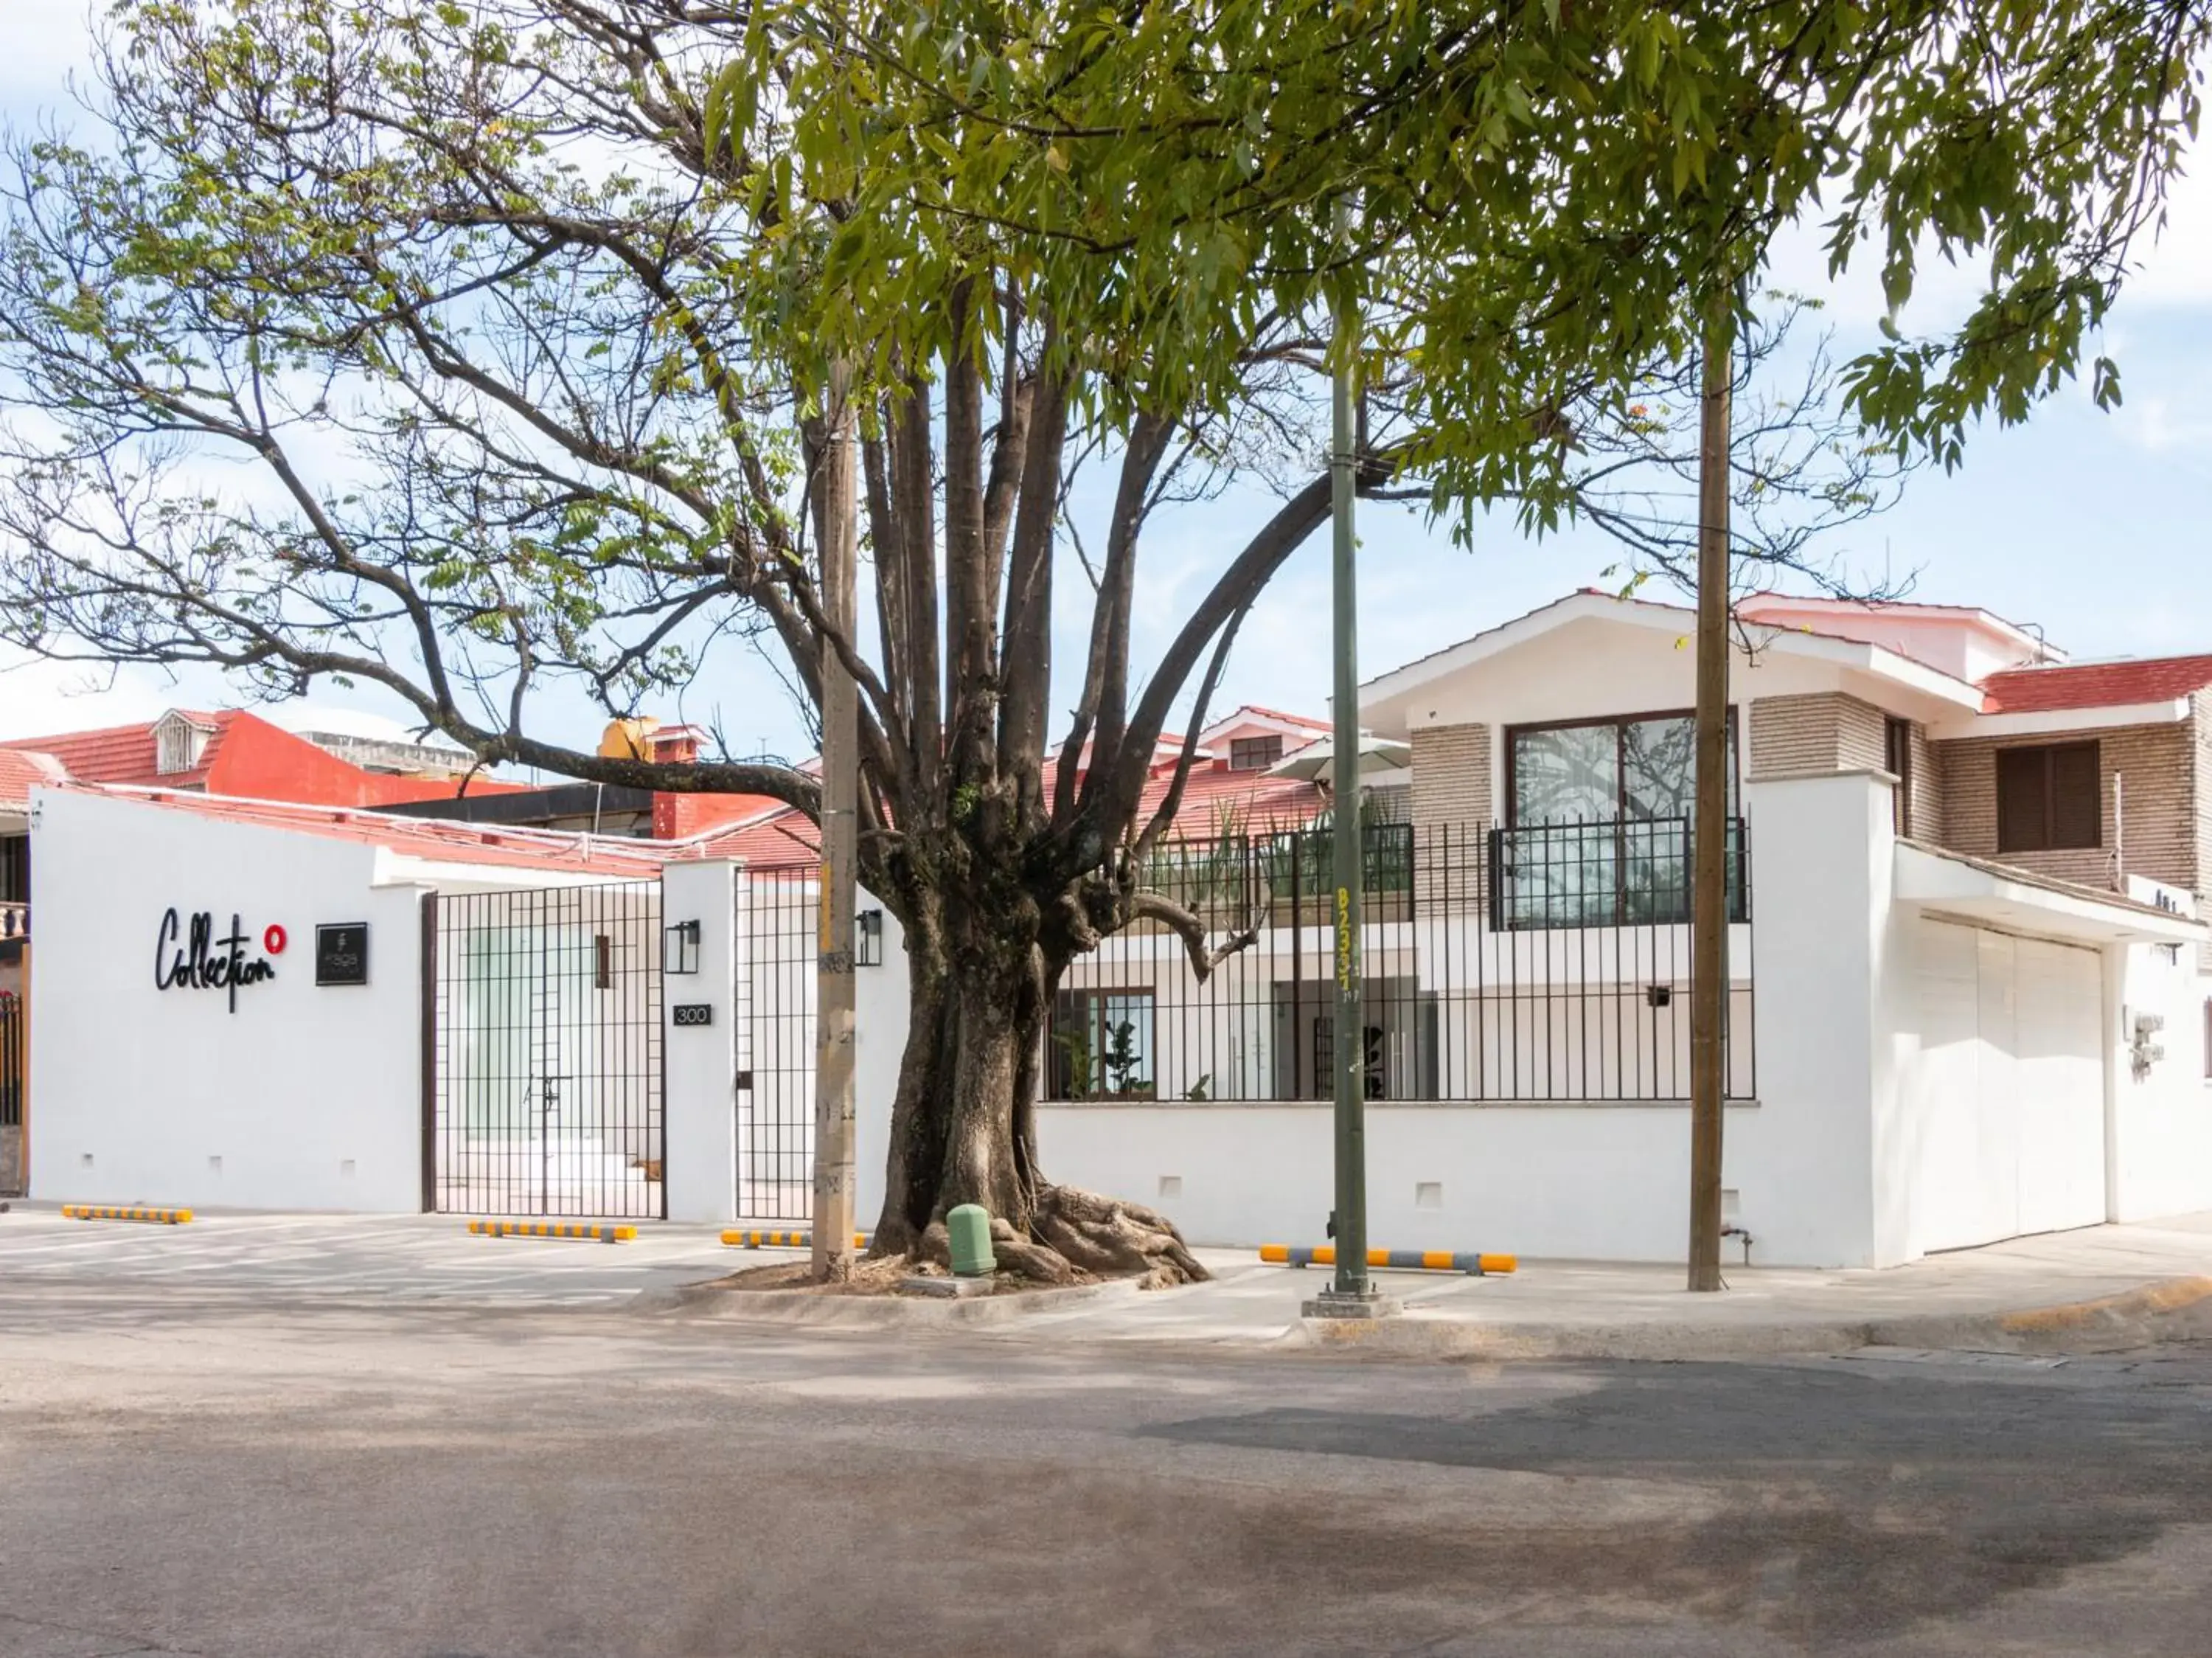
(545, 1048)
(11, 1093)
(779, 913)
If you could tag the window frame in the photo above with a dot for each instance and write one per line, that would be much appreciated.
(179, 745)
(1260, 742)
(2047, 753)
(1620, 723)
(1091, 1000)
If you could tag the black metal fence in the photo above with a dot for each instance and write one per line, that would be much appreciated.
(1629, 872)
(546, 1046)
(779, 914)
(1499, 964)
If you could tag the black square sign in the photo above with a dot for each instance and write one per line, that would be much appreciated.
(342, 953)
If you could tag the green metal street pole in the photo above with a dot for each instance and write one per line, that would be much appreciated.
(1351, 1294)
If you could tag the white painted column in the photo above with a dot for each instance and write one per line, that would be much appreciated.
(1819, 1166)
(879, 1030)
(699, 1101)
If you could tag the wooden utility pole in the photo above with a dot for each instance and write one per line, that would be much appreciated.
(1709, 835)
(841, 764)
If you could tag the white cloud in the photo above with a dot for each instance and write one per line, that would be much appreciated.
(41, 698)
(2177, 269)
(2158, 424)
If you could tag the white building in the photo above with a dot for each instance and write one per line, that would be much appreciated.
(1967, 986)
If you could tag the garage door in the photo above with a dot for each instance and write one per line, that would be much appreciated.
(2007, 1102)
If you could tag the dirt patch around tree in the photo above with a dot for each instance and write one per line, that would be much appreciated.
(1078, 1238)
(885, 1277)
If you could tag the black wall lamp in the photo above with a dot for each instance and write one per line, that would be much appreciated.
(679, 948)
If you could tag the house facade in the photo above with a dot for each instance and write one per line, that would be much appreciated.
(1967, 982)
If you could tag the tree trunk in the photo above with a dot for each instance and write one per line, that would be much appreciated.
(963, 1118)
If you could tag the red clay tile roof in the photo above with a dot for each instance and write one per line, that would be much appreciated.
(2095, 685)
(430, 839)
(1304, 722)
(1259, 803)
(248, 757)
(21, 771)
(781, 839)
(124, 753)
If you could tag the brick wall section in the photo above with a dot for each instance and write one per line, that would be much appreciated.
(1451, 776)
(1925, 807)
(1862, 734)
(1452, 810)
(2167, 830)
(1792, 734)
(1825, 731)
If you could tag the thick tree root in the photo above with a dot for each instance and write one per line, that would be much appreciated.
(1077, 1237)
(1108, 1238)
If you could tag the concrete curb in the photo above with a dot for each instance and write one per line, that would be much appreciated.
(800, 1308)
(2132, 1313)
(2131, 1317)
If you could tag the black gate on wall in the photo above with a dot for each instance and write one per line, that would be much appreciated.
(543, 1043)
(12, 1037)
(11, 1060)
(779, 915)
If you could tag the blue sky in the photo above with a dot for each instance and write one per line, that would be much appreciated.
(2098, 527)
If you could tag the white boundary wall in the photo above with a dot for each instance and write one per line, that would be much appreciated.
(304, 1098)
(1605, 1181)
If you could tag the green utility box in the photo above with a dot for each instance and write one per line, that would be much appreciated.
(969, 1228)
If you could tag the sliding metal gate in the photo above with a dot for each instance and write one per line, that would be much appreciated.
(545, 1045)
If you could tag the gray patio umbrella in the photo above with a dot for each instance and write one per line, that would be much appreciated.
(1311, 763)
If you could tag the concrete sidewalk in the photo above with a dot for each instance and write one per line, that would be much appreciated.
(2109, 1286)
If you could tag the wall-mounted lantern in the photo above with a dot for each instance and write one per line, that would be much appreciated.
(868, 938)
(679, 948)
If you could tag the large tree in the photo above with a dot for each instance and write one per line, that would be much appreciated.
(434, 349)
(519, 315)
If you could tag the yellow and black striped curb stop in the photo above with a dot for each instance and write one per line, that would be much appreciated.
(611, 1234)
(1414, 1261)
(784, 1240)
(106, 1212)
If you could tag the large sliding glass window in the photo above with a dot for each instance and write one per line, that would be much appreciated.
(1598, 817)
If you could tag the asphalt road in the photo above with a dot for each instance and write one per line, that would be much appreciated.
(189, 1469)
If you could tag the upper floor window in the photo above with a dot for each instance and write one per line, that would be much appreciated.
(1255, 754)
(179, 744)
(2050, 798)
(1600, 815)
(1604, 771)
